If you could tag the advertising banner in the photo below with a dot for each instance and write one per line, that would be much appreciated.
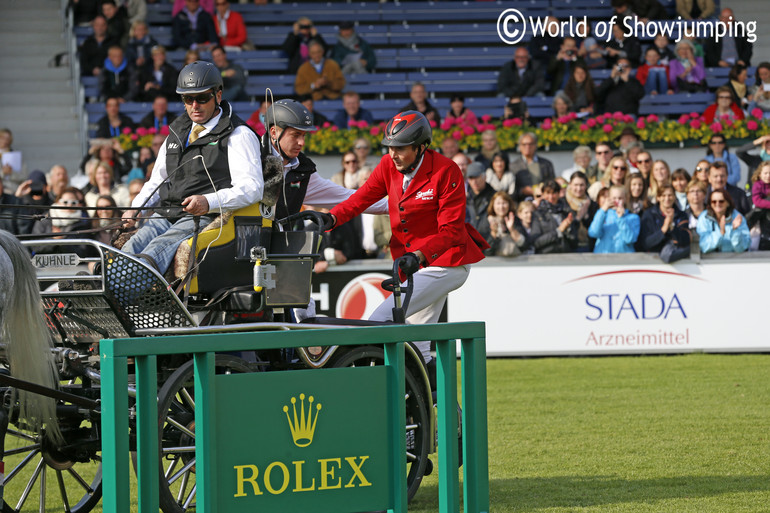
(303, 441)
(587, 304)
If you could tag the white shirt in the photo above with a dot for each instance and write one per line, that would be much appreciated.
(246, 181)
(324, 193)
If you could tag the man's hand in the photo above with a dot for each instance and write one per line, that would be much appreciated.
(329, 221)
(409, 264)
(129, 218)
(196, 205)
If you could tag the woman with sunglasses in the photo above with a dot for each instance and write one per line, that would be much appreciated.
(616, 173)
(723, 107)
(718, 150)
(348, 176)
(720, 227)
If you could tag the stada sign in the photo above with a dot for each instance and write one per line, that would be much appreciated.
(615, 305)
(303, 441)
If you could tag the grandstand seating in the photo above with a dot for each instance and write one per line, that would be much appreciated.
(451, 46)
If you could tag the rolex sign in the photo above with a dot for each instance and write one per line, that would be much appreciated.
(314, 440)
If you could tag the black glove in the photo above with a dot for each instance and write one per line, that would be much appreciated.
(328, 221)
(409, 264)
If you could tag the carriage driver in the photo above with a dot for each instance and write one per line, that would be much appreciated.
(209, 163)
(426, 195)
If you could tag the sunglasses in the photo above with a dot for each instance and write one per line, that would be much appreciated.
(717, 202)
(350, 162)
(202, 99)
(306, 27)
(699, 169)
(725, 97)
(359, 147)
(620, 167)
(717, 142)
(643, 161)
(69, 203)
(602, 152)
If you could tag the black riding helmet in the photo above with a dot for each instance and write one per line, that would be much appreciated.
(199, 77)
(409, 128)
(288, 114)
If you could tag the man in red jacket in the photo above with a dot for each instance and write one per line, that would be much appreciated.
(426, 203)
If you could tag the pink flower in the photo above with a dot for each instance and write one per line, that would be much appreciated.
(352, 123)
(433, 124)
(591, 122)
(468, 130)
(141, 131)
(751, 124)
(517, 122)
(457, 134)
(326, 124)
(152, 131)
(333, 128)
(695, 124)
(628, 118)
(164, 130)
(507, 123)
(486, 118)
(652, 118)
(640, 124)
(694, 115)
(563, 119)
(446, 125)
(757, 112)
(134, 137)
(363, 124)
(547, 125)
(126, 131)
(583, 127)
(716, 126)
(375, 130)
(684, 118)
(607, 128)
(619, 116)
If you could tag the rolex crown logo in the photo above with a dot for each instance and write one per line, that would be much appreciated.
(302, 427)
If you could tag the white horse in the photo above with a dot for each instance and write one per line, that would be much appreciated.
(24, 333)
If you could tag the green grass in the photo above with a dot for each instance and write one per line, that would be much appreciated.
(627, 434)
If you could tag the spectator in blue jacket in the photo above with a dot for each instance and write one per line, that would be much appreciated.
(614, 227)
(717, 150)
(352, 111)
(721, 227)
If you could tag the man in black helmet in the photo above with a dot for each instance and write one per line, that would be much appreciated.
(209, 163)
(426, 196)
(288, 121)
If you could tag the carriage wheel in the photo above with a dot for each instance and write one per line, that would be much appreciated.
(417, 416)
(40, 477)
(176, 409)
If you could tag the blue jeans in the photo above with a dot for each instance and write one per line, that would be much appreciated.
(656, 81)
(159, 238)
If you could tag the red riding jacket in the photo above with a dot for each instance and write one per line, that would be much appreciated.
(429, 216)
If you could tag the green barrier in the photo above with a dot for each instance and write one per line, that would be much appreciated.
(308, 461)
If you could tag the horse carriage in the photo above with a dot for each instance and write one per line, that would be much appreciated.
(243, 274)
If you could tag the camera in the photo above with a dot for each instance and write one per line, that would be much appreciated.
(570, 53)
(619, 68)
(36, 188)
